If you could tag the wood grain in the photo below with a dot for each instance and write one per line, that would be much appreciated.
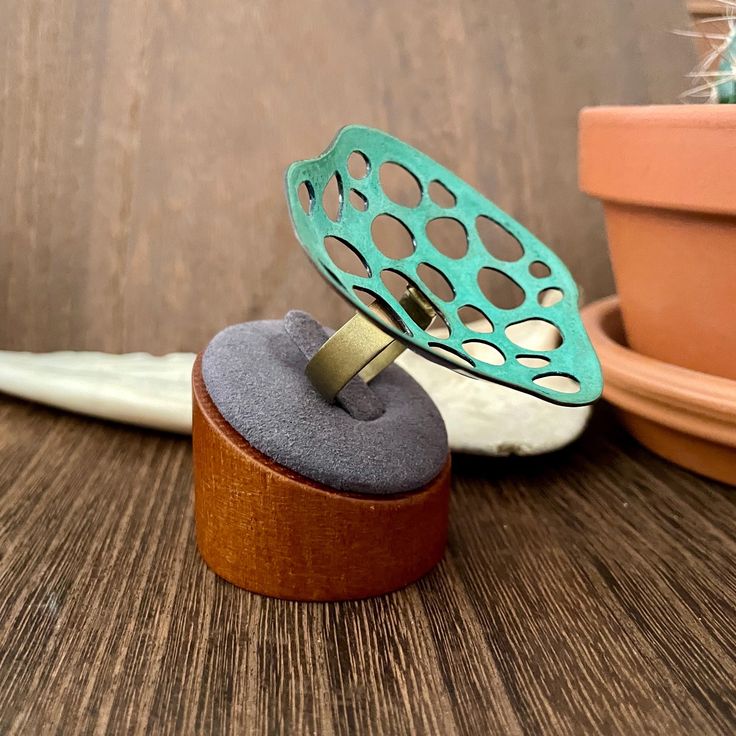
(143, 144)
(273, 531)
(589, 592)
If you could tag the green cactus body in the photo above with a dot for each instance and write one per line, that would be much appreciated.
(727, 85)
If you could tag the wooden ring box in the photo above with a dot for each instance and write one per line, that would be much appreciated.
(272, 531)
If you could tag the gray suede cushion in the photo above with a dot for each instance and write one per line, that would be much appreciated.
(254, 373)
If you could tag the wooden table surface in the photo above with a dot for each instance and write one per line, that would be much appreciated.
(588, 592)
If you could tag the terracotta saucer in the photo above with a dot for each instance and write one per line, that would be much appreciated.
(685, 416)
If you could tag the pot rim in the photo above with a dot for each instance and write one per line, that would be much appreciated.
(679, 157)
(690, 401)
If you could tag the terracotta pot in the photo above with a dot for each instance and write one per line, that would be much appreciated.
(684, 416)
(667, 179)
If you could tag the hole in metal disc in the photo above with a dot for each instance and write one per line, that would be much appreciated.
(563, 384)
(532, 361)
(484, 352)
(500, 290)
(365, 295)
(474, 319)
(392, 237)
(549, 297)
(306, 196)
(438, 327)
(400, 185)
(500, 243)
(534, 334)
(345, 257)
(448, 236)
(539, 270)
(332, 198)
(358, 166)
(436, 282)
(441, 195)
(358, 200)
(395, 282)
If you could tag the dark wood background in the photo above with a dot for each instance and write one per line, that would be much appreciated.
(143, 143)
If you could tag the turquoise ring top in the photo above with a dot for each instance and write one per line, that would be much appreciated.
(541, 284)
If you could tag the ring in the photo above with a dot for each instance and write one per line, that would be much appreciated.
(361, 348)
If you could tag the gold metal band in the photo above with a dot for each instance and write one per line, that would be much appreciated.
(362, 348)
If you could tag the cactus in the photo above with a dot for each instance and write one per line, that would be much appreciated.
(726, 87)
(715, 75)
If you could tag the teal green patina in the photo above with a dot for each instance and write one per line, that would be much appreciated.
(537, 271)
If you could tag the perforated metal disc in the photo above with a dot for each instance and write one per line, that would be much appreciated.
(532, 273)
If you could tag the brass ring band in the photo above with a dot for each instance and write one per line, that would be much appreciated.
(362, 348)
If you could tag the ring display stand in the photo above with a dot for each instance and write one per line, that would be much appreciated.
(322, 471)
(279, 534)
